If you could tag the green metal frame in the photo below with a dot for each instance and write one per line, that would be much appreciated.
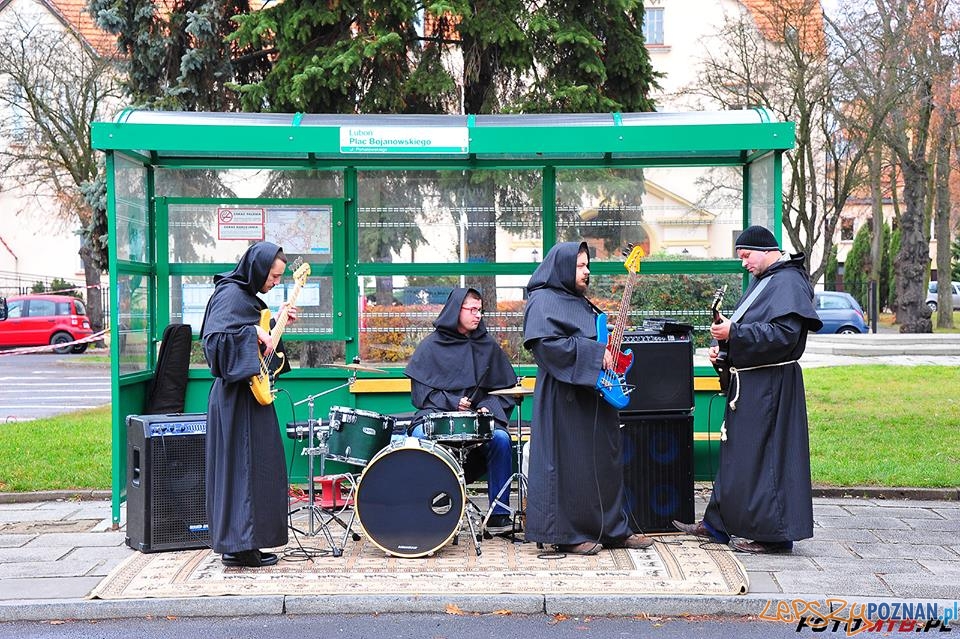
(544, 143)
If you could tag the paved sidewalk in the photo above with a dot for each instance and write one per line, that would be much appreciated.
(870, 545)
(53, 553)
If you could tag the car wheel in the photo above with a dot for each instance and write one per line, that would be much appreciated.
(78, 348)
(848, 330)
(932, 306)
(58, 340)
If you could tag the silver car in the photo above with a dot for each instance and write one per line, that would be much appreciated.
(932, 295)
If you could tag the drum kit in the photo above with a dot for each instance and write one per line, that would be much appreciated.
(410, 498)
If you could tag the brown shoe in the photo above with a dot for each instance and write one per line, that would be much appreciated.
(636, 541)
(697, 529)
(585, 548)
(762, 547)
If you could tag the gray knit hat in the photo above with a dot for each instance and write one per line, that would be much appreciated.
(757, 238)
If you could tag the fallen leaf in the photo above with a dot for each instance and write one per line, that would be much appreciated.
(454, 609)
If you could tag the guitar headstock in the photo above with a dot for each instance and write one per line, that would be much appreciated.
(718, 298)
(301, 271)
(634, 253)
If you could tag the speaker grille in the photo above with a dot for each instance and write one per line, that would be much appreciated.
(658, 470)
(179, 491)
(662, 372)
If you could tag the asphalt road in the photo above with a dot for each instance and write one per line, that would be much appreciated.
(47, 384)
(406, 626)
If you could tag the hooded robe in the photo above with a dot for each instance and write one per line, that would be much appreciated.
(575, 478)
(246, 475)
(762, 488)
(448, 365)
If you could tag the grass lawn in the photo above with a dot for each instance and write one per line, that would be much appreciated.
(892, 426)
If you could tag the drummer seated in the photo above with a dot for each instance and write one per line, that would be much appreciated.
(494, 457)
(452, 370)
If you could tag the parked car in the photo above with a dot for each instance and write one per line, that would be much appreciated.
(839, 312)
(932, 295)
(38, 319)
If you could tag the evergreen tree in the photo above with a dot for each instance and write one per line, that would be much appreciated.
(856, 268)
(175, 52)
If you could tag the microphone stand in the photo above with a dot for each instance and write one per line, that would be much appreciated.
(312, 450)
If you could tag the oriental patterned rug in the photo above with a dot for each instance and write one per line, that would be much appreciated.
(675, 564)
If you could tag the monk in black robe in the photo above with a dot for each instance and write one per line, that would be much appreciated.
(576, 491)
(246, 476)
(452, 370)
(762, 501)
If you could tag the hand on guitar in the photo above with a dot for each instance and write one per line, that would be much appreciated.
(266, 340)
(713, 353)
(608, 360)
(289, 312)
(720, 330)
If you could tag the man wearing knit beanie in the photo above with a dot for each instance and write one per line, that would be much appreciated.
(757, 238)
(761, 500)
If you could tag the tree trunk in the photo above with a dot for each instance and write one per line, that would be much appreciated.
(94, 295)
(914, 257)
(942, 222)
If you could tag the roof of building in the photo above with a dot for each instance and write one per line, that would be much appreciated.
(772, 17)
(74, 16)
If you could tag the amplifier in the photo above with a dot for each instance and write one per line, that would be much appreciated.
(662, 372)
(166, 484)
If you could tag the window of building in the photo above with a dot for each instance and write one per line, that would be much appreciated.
(846, 229)
(653, 25)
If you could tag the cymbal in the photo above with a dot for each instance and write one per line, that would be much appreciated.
(357, 367)
(513, 391)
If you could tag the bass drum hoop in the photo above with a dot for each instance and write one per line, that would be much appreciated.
(420, 487)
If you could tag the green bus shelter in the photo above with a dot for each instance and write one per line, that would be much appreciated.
(392, 211)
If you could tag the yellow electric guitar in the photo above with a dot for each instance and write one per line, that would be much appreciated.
(262, 383)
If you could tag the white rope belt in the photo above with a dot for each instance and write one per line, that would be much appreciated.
(735, 377)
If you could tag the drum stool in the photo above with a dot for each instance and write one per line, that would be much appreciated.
(331, 491)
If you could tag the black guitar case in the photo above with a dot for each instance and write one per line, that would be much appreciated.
(168, 389)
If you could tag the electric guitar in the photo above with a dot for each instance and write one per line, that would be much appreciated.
(261, 384)
(720, 364)
(612, 383)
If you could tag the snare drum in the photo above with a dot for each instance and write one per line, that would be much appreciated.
(458, 426)
(356, 435)
(411, 497)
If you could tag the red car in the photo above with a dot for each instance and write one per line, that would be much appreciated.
(38, 320)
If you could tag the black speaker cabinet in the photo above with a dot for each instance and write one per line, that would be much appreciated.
(658, 470)
(662, 372)
(166, 486)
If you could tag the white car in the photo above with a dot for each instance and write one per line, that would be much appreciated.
(932, 295)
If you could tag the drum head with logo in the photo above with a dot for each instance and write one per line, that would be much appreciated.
(410, 499)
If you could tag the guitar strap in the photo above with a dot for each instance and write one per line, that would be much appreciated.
(742, 309)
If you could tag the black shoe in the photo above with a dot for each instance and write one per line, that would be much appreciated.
(268, 558)
(249, 559)
(498, 524)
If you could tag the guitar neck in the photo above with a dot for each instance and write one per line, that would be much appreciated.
(281, 321)
(616, 338)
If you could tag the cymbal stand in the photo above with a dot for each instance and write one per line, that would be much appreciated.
(515, 513)
(316, 512)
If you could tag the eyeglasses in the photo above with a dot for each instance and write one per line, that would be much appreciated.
(474, 311)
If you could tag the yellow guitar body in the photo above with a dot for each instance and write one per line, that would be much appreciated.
(261, 384)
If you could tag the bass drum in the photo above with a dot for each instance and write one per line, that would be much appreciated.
(411, 497)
